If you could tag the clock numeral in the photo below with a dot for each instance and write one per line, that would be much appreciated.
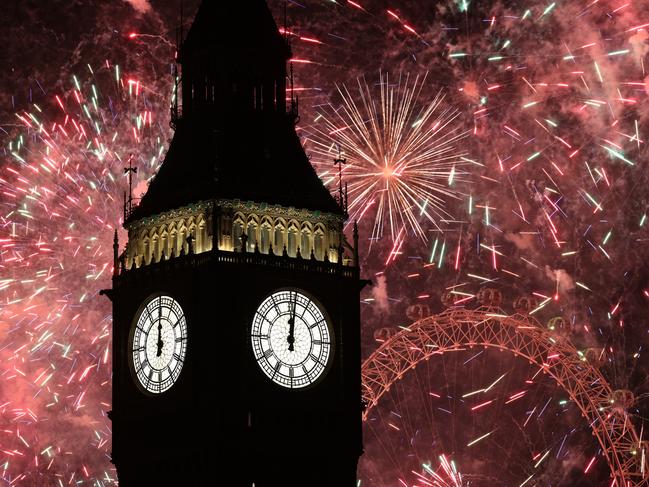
(315, 324)
(268, 353)
(317, 342)
(277, 366)
(139, 349)
(290, 372)
(306, 372)
(178, 357)
(315, 359)
(179, 339)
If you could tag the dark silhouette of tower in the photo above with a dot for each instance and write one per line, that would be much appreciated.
(236, 340)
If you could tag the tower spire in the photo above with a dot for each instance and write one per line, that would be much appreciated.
(342, 195)
(233, 106)
(128, 203)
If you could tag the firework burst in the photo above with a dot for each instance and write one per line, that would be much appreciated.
(402, 155)
(61, 183)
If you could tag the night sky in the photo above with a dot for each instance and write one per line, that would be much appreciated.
(544, 193)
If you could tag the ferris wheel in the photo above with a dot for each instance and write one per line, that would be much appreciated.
(469, 336)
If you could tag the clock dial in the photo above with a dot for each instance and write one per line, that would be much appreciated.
(291, 339)
(159, 344)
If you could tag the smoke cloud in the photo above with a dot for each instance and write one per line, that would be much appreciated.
(142, 6)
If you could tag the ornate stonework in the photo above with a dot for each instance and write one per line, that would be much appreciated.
(236, 226)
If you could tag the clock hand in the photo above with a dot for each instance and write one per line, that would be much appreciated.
(160, 343)
(291, 327)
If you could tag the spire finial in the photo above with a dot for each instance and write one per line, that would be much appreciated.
(115, 255)
(130, 170)
(342, 195)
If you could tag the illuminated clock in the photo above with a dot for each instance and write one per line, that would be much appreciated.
(158, 344)
(291, 339)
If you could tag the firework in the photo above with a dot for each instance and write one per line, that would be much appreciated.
(402, 155)
(62, 180)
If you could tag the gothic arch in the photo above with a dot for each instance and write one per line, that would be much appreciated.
(238, 228)
(306, 239)
(265, 234)
(252, 231)
(522, 335)
(280, 235)
(292, 237)
(319, 241)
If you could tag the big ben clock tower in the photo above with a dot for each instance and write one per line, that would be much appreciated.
(236, 340)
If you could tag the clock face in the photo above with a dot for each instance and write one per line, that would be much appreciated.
(159, 344)
(291, 339)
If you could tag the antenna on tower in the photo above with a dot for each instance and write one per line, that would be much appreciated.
(342, 195)
(128, 203)
(286, 20)
(295, 102)
(294, 111)
(180, 34)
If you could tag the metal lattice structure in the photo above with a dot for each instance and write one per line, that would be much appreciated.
(455, 329)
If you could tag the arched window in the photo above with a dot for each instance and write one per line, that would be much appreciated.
(305, 242)
(252, 235)
(280, 230)
(293, 234)
(173, 243)
(155, 249)
(318, 243)
(192, 232)
(201, 238)
(164, 246)
(237, 231)
(146, 251)
(182, 240)
(265, 238)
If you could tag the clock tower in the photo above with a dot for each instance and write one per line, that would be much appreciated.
(236, 328)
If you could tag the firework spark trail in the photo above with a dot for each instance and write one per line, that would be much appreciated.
(403, 159)
(61, 179)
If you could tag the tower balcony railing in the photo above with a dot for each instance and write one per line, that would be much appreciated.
(345, 268)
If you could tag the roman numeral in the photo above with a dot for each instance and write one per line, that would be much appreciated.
(275, 305)
(268, 353)
(178, 357)
(179, 339)
(316, 324)
(315, 359)
(277, 366)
